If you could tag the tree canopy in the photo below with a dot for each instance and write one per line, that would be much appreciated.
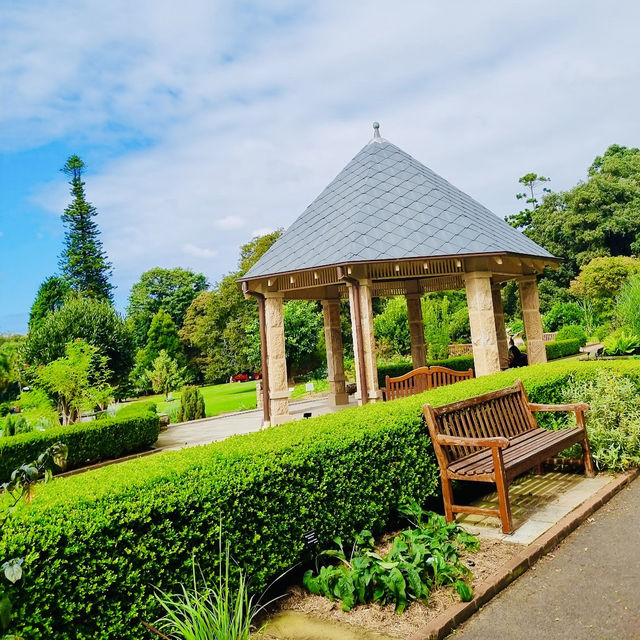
(52, 294)
(93, 320)
(170, 289)
(598, 217)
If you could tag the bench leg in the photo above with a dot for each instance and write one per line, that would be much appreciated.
(447, 497)
(589, 468)
(502, 488)
(538, 469)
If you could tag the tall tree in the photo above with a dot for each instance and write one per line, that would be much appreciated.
(83, 261)
(170, 289)
(51, 295)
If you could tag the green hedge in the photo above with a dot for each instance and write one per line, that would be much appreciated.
(136, 408)
(562, 348)
(401, 366)
(87, 441)
(98, 543)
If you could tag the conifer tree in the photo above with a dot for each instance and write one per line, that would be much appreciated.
(83, 261)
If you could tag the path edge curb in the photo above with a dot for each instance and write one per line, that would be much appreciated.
(446, 622)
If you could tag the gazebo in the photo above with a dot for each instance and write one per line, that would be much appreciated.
(386, 226)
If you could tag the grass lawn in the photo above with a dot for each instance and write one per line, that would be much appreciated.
(218, 398)
(229, 397)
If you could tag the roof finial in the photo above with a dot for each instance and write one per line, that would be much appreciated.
(376, 129)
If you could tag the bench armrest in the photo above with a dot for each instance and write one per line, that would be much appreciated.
(577, 406)
(456, 441)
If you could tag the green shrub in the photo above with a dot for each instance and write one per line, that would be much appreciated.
(87, 441)
(136, 408)
(102, 540)
(562, 348)
(562, 314)
(400, 366)
(191, 404)
(572, 332)
(601, 332)
(613, 420)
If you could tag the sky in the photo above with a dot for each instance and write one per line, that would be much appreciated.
(203, 123)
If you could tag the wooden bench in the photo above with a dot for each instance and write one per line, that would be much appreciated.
(420, 380)
(494, 438)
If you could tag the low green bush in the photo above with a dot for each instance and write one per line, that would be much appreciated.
(562, 348)
(87, 441)
(191, 404)
(103, 540)
(400, 366)
(572, 332)
(136, 408)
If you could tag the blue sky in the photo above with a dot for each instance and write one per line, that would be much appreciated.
(203, 123)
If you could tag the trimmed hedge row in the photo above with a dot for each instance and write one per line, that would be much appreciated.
(98, 543)
(562, 348)
(399, 367)
(87, 441)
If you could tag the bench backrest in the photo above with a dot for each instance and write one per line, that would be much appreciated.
(422, 379)
(498, 413)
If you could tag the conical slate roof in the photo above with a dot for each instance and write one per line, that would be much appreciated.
(385, 205)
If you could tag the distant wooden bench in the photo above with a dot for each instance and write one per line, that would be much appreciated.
(494, 438)
(420, 380)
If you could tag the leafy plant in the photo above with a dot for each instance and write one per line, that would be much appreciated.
(613, 420)
(223, 610)
(421, 559)
(620, 343)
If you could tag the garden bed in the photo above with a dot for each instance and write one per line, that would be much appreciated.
(491, 555)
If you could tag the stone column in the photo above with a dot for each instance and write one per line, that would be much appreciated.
(530, 303)
(416, 329)
(335, 352)
(484, 339)
(501, 332)
(368, 357)
(278, 387)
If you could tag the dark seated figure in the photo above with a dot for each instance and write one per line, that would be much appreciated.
(516, 357)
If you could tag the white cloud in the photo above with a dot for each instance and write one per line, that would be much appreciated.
(199, 252)
(235, 119)
(229, 222)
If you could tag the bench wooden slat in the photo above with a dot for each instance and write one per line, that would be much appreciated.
(505, 413)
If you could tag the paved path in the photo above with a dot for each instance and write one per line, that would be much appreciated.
(189, 434)
(589, 588)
